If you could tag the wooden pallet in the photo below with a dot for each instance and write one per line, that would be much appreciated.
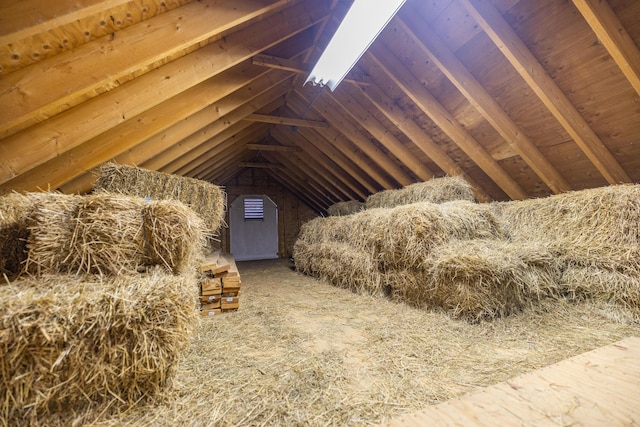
(597, 388)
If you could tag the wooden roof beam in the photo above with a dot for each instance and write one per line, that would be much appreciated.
(43, 89)
(318, 155)
(417, 135)
(506, 39)
(184, 150)
(131, 143)
(202, 164)
(344, 163)
(423, 99)
(333, 138)
(288, 121)
(33, 146)
(296, 174)
(378, 130)
(270, 147)
(431, 44)
(295, 188)
(615, 38)
(338, 118)
(260, 165)
(27, 18)
(295, 66)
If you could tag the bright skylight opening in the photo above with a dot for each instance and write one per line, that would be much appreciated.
(360, 27)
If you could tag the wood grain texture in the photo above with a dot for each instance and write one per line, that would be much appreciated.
(601, 387)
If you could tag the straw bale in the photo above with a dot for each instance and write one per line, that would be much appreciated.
(486, 278)
(175, 236)
(600, 225)
(437, 190)
(340, 265)
(13, 233)
(76, 342)
(402, 237)
(206, 199)
(345, 208)
(111, 234)
(51, 223)
(326, 229)
(611, 286)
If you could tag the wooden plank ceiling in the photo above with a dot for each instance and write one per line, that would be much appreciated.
(523, 98)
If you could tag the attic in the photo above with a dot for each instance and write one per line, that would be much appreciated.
(522, 99)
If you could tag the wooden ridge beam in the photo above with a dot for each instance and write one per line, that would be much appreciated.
(294, 171)
(260, 165)
(343, 162)
(295, 188)
(203, 164)
(43, 89)
(615, 38)
(436, 50)
(33, 146)
(333, 138)
(506, 39)
(270, 147)
(293, 137)
(415, 133)
(423, 99)
(289, 121)
(378, 130)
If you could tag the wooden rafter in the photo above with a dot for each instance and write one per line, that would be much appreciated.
(331, 138)
(319, 156)
(31, 147)
(110, 60)
(386, 138)
(505, 38)
(431, 44)
(614, 37)
(415, 133)
(294, 66)
(428, 104)
(289, 121)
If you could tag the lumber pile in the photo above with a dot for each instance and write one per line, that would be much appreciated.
(219, 285)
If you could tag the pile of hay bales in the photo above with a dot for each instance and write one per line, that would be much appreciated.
(487, 260)
(76, 342)
(206, 199)
(438, 190)
(345, 208)
(101, 304)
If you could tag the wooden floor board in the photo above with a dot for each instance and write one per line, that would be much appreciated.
(597, 388)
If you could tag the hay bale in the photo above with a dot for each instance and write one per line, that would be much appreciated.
(611, 286)
(13, 234)
(175, 237)
(402, 237)
(485, 278)
(345, 208)
(340, 265)
(76, 342)
(50, 220)
(599, 225)
(437, 190)
(111, 234)
(206, 199)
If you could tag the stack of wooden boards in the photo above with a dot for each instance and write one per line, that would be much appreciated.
(219, 286)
